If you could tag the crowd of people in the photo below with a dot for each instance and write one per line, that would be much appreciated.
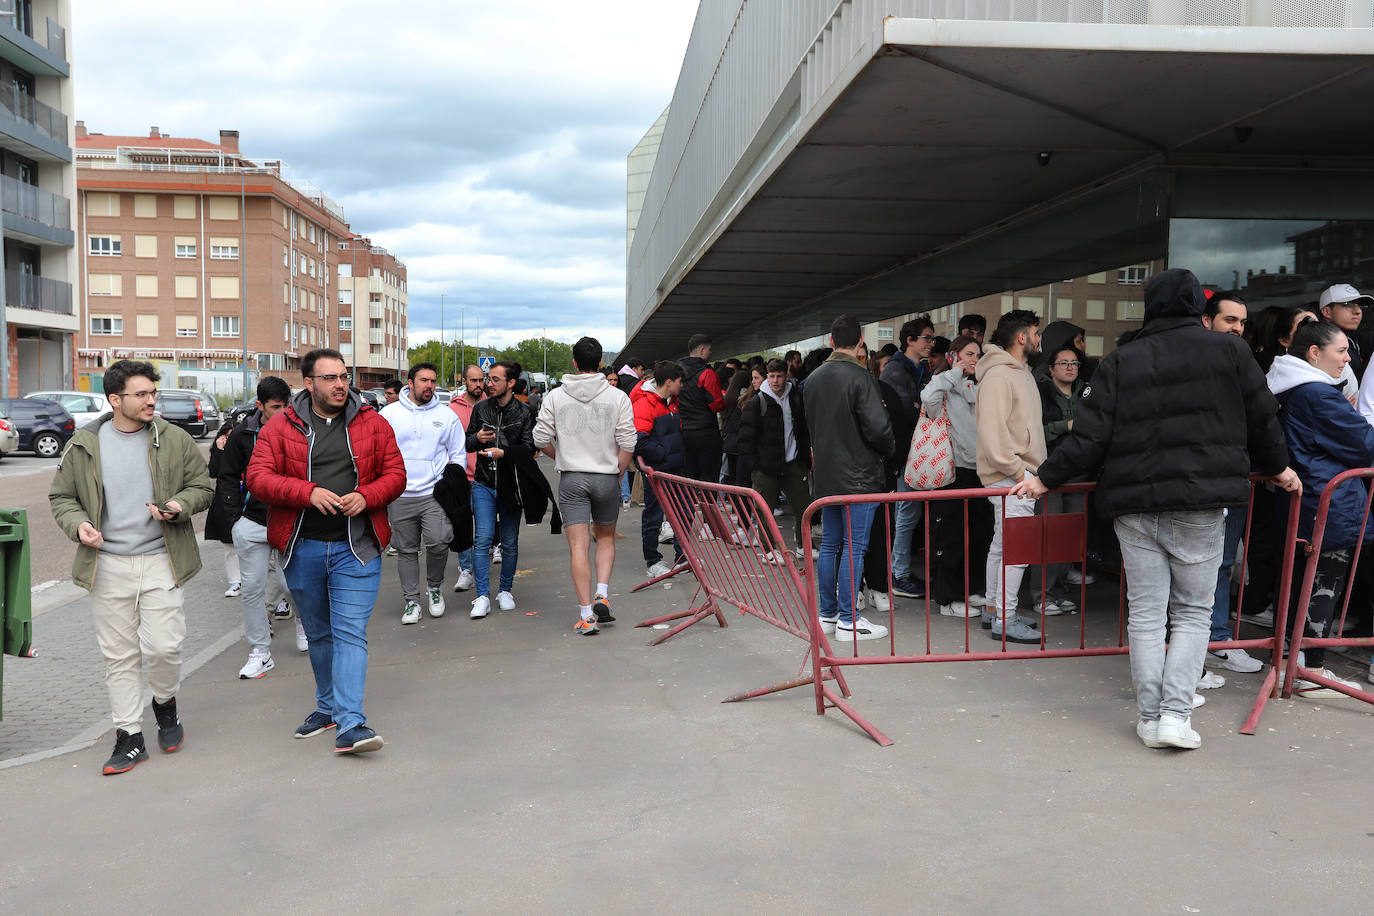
(314, 489)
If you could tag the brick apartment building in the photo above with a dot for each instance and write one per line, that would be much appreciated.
(38, 318)
(194, 255)
(370, 274)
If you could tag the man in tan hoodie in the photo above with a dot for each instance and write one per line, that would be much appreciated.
(1011, 445)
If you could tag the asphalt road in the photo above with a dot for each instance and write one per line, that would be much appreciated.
(24, 482)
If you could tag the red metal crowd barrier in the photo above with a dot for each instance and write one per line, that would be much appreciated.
(737, 554)
(1297, 638)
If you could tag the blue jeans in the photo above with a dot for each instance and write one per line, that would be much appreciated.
(840, 564)
(1221, 602)
(487, 514)
(334, 596)
(625, 486)
(908, 516)
(465, 559)
(1170, 560)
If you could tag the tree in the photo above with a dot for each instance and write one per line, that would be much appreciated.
(530, 355)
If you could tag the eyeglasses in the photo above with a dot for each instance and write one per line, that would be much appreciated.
(138, 395)
(331, 378)
(926, 337)
(1068, 364)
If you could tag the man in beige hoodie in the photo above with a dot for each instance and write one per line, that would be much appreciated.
(587, 426)
(1011, 445)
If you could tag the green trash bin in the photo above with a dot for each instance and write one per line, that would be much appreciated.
(16, 605)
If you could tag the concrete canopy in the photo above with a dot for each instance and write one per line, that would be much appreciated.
(966, 158)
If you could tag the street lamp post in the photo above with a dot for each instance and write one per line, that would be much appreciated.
(443, 339)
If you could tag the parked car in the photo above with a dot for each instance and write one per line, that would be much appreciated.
(84, 406)
(44, 426)
(371, 398)
(9, 435)
(186, 411)
(208, 408)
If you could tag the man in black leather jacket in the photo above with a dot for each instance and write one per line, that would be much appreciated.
(851, 438)
(500, 434)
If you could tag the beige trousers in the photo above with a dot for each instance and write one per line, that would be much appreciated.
(136, 606)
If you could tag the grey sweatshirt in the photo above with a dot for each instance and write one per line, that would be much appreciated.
(126, 525)
(960, 394)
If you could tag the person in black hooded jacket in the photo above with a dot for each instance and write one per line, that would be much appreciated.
(1173, 420)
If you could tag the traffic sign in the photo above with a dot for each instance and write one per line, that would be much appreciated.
(485, 362)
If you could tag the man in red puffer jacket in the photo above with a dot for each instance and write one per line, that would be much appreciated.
(326, 467)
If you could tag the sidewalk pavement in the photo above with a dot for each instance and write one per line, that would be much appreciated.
(531, 770)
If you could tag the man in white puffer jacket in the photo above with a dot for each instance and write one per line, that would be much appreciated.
(587, 426)
(430, 437)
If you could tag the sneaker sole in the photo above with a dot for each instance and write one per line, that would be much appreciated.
(174, 748)
(254, 677)
(115, 771)
(406, 623)
(362, 747)
(603, 612)
(849, 636)
(1180, 741)
(1016, 639)
(587, 631)
(322, 728)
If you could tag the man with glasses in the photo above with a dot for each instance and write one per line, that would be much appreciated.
(463, 401)
(907, 374)
(430, 438)
(1343, 305)
(125, 491)
(328, 466)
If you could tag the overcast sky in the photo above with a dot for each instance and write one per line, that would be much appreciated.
(483, 143)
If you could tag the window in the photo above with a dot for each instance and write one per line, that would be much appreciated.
(295, 299)
(1097, 278)
(1006, 304)
(106, 325)
(145, 285)
(286, 330)
(145, 246)
(1127, 310)
(302, 263)
(1134, 275)
(884, 333)
(1093, 344)
(312, 232)
(375, 323)
(185, 246)
(376, 349)
(224, 208)
(345, 271)
(145, 205)
(285, 294)
(225, 248)
(105, 285)
(1035, 304)
(285, 256)
(106, 246)
(1063, 307)
(146, 326)
(224, 364)
(1095, 309)
(185, 287)
(345, 297)
(224, 287)
(224, 326)
(374, 297)
(345, 323)
(186, 326)
(312, 266)
(102, 204)
(184, 206)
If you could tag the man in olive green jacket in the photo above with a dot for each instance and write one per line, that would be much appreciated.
(125, 491)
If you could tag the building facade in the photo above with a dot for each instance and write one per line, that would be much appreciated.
(371, 276)
(202, 260)
(37, 186)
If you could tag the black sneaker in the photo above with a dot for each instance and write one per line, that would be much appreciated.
(909, 587)
(314, 723)
(169, 731)
(602, 606)
(357, 740)
(129, 752)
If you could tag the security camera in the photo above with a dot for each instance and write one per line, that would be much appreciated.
(1043, 157)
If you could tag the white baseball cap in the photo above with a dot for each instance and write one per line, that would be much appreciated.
(1341, 293)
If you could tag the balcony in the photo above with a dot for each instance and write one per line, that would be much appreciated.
(26, 291)
(40, 129)
(20, 45)
(35, 215)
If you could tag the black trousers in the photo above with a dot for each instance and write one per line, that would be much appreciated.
(704, 449)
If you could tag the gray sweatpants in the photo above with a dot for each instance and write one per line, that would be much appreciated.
(417, 520)
(255, 558)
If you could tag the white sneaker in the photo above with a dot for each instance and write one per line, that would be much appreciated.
(1075, 576)
(496, 554)
(828, 625)
(1233, 660)
(1313, 690)
(1210, 680)
(860, 629)
(958, 609)
(1147, 730)
(777, 513)
(282, 610)
(302, 644)
(1199, 700)
(505, 601)
(233, 590)
(390, 551)
(480, 607)
(774, 558)
(658, 569)
(665, 533)
(411, 614)
(1175, 731)
(878, 600)
(436, 602)
(978, 600)
(466, 580)
(860, 602)
(259, 663)
(1264, 618)
(1050, 608)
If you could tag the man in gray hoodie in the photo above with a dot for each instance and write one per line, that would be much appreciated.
(587, 426)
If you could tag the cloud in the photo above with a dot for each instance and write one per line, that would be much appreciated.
(482, 143)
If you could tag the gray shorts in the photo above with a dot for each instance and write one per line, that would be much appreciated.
(585, 498)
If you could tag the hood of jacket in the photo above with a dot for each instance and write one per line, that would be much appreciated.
(1288, 372)
(779, 399)
(1056, 336)
(645, 389)
(1174, 293)
(585, 388)
(994, 356)
(405, 399)
(300, 406)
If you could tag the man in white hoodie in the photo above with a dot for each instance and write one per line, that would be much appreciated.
(587, 426)
(430, 437)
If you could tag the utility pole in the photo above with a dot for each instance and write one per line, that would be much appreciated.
(544, 339)
(463, 337)
(443, 340)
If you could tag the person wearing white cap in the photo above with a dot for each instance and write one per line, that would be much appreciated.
(1343, 305)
